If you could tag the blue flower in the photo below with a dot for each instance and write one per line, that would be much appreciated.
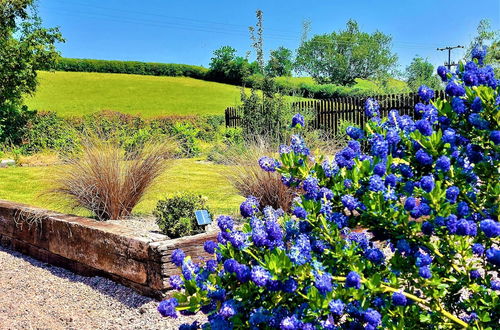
(299, 212)
(405, 170)
(323, 282)
(248, 208)
(228, 309)
(311, 187)
(372, 317)
(479, 53)
(493, 256)
(478, 122)
(391, 180)
(239, 239)
(490, 228)
(211, 265)
(425, 272)
(423, 157)
(462, 209)
(259, 316)
(443, 164)
(379, 146)
(376, 183)
(424, 126)
(290, 323)
(458, 105)
(298, 119)
(380, 168)
(495, 137)
(478, 249)
(290, 285)
(399, 299)
(210, 247)
(452, 194)
(167, 307)
(353, 280)
(454, 89)
(449, 136)
(410, 203)
(230, 265)
(427, 228)
(427, 183)
(425, 93)
(442, 72)
(371, 108)
(268, 164)
(375, 255)
(495, 285)
(336, 307)
(477, 104)
(474, 274)
(225, 222)
(300, 252)
(350, 202)
(260, 276)
(355, 132)
(423, 259)
(176, 282)
(178, 257)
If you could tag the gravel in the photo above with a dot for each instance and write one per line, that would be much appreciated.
(35, 295)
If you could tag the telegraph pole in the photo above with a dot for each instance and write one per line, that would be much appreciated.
(449, 64)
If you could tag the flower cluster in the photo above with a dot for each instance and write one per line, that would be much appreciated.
(426, 191)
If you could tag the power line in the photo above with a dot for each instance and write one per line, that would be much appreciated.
(449, 64)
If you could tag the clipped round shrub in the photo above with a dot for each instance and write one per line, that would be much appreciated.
(175, 215)
(429, 254)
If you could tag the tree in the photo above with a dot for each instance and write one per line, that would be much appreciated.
(341, 57)
(280, 62)
(25, 46)
(484, 36)
(226, 67)
(421, 72)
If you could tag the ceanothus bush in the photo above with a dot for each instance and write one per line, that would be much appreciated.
(399, 230)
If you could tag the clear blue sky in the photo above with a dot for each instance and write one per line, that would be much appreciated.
(188, 31)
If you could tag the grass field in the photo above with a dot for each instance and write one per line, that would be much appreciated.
(80, 93)
(30, 185)
(362, 84)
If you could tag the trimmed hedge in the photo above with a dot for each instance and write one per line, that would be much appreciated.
(131, 67)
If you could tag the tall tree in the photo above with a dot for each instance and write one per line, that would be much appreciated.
(25, 46)
(341, 57)
(226, 67)
(280, 62)
(421, 72)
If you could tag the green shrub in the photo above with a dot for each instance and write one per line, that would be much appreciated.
(175, 216)
(46, 130)
(185, 134)
(131, 67)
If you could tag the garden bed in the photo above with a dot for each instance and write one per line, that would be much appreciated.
(135, 258)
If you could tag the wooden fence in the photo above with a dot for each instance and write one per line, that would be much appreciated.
(330, 113)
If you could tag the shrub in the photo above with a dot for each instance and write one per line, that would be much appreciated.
(131, 67)
(104, 181)
(185, 134)
(427, 190)
(175, 215)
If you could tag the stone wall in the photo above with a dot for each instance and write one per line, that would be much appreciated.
(92, 248)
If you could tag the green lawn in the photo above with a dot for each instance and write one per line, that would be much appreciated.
(80, 93)
(30, 185)
(360, 83)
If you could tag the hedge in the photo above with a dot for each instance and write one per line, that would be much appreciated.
(131, 67)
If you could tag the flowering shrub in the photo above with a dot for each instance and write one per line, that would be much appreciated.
(427, 191)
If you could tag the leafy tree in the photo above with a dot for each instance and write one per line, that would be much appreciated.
(226, 67)
(25, 46)
(341, 57)
(484, 36)
(421, 72)
(280, 62)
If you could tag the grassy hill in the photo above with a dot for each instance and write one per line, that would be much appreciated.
(80, 93)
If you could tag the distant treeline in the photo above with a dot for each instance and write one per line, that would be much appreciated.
(131, 67)
(309, 90)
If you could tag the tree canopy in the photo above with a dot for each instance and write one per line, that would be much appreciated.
(226, 66)
(25, 46)
(280, 62)
(341, 57)
(421, 72)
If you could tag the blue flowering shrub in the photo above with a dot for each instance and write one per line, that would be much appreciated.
(427, 194)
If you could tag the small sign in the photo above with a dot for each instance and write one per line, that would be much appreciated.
(202, 217)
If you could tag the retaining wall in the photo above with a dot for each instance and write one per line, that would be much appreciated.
(94, 248)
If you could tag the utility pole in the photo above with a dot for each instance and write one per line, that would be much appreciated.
(449, 64)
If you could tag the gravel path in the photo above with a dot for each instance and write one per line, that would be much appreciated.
(35, 295)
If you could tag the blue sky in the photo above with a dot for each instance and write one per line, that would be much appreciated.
(189, 31)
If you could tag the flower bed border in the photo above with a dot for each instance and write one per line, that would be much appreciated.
(94, 248)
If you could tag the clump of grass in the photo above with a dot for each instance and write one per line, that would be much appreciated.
(250, 180)
(105, 180)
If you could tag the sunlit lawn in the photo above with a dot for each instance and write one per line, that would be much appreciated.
(30, 185)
